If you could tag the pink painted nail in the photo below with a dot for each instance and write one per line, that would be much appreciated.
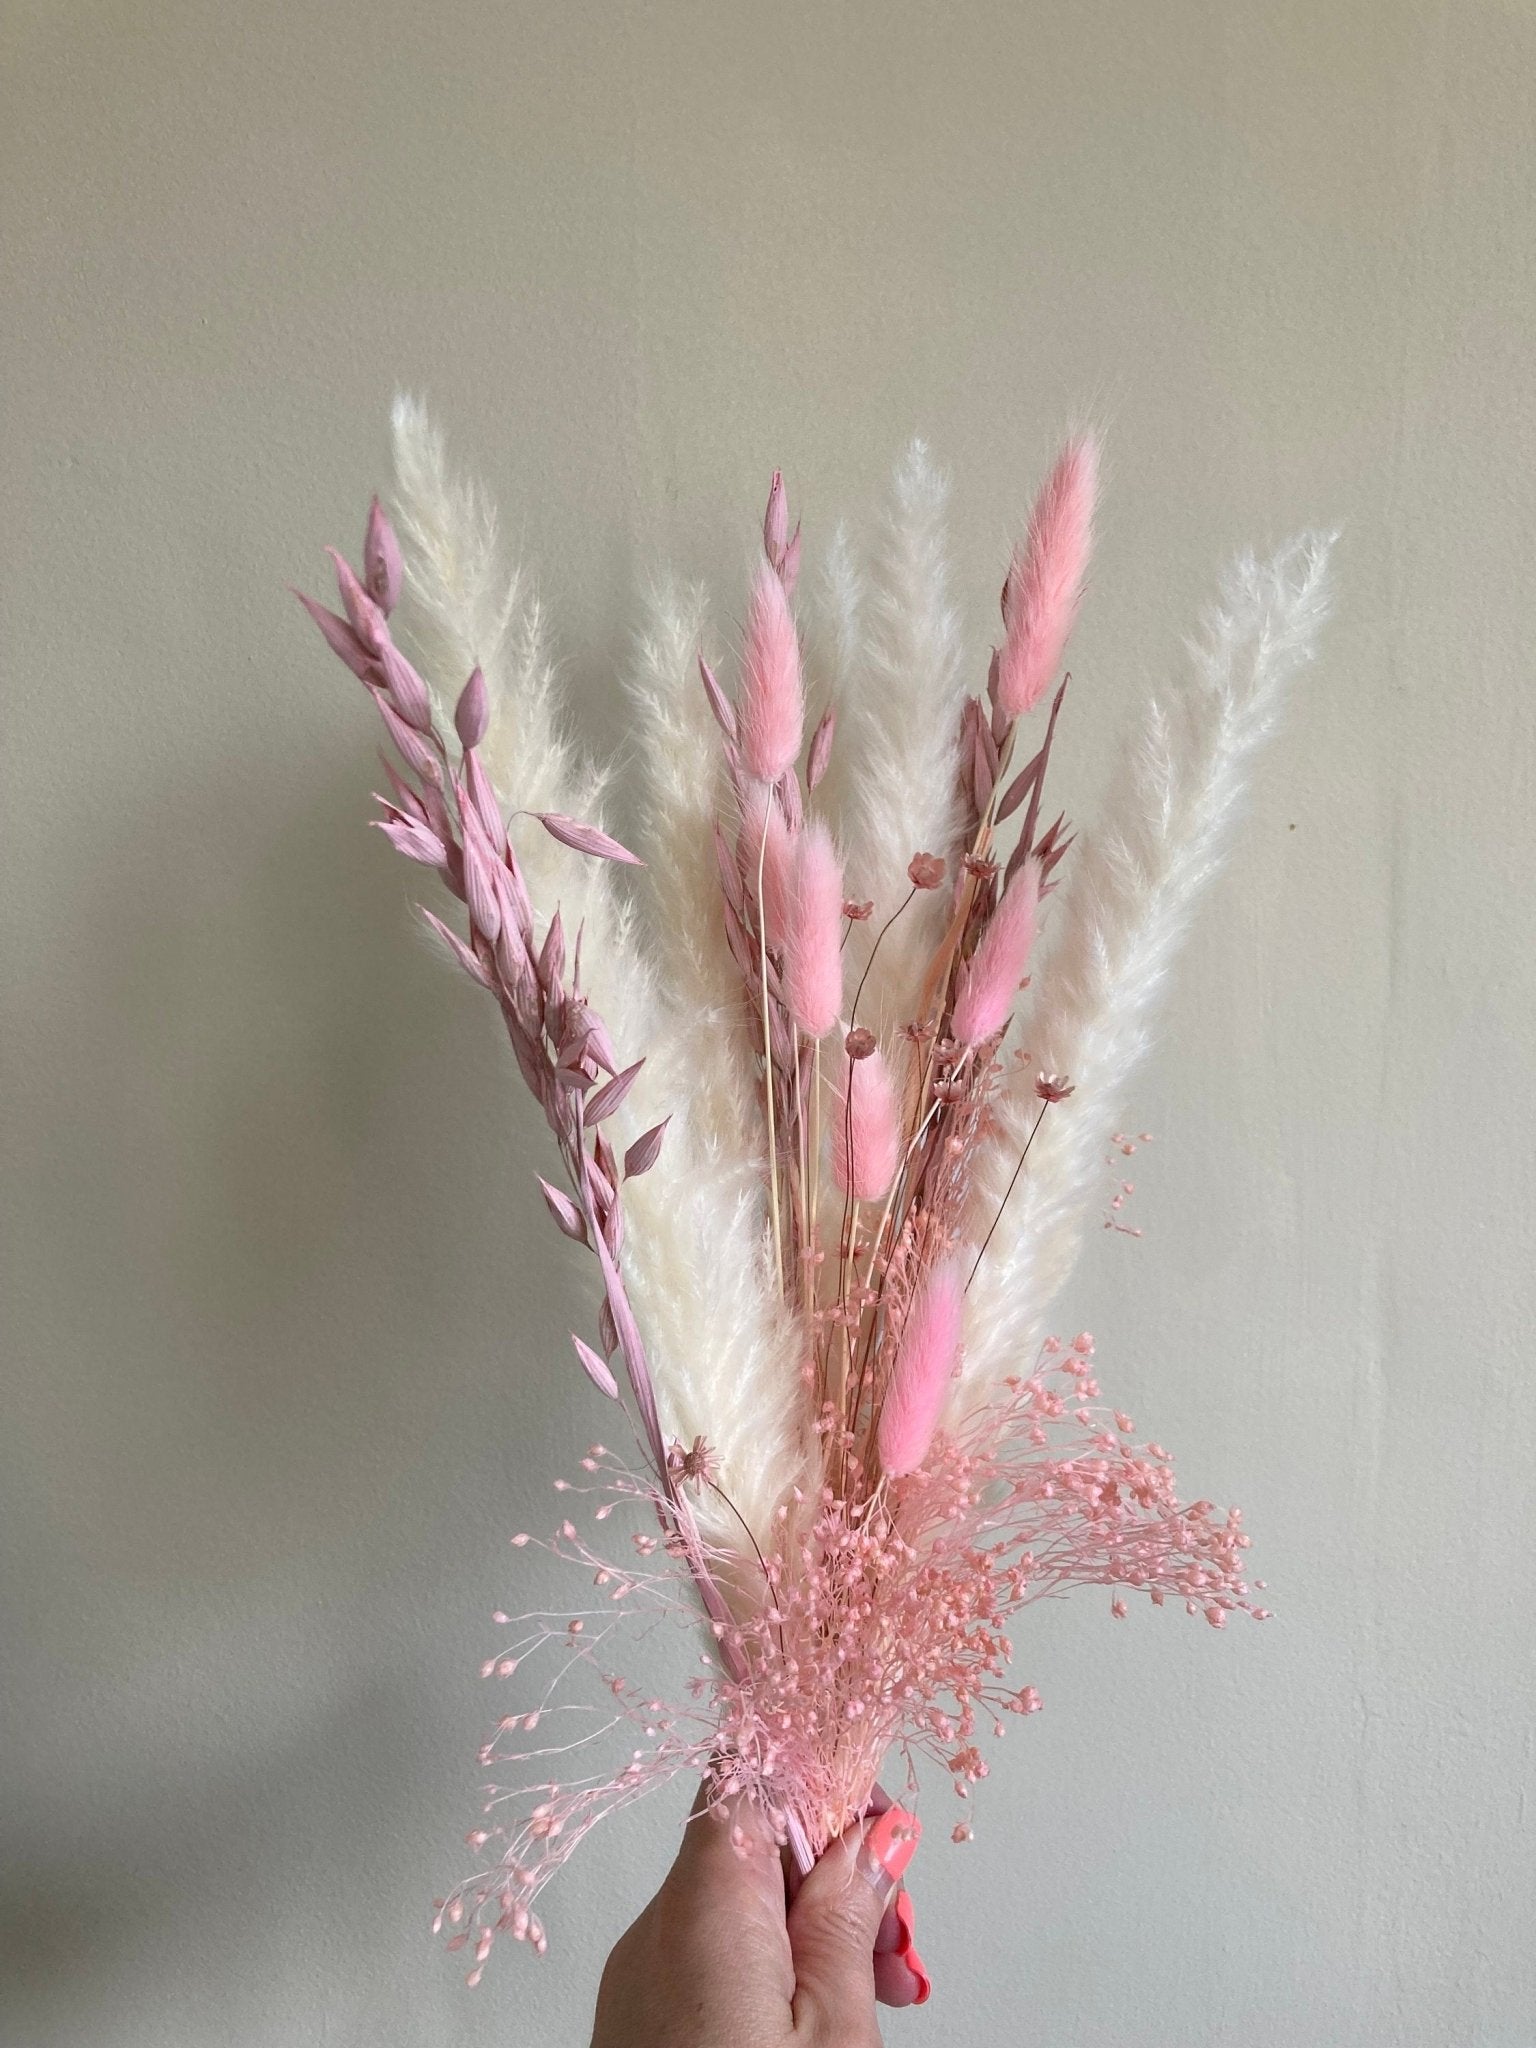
(908, 1952)
(889, 1846)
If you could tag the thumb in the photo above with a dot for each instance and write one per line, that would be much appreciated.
(836, 1916)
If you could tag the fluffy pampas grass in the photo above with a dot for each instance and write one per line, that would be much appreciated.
(898, 644)
(826, 1192)
(1135, 884)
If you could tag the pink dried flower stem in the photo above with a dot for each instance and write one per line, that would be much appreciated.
(560, 1043)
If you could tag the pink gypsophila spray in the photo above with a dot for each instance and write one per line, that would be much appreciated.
(989, 980)
(1045, 580)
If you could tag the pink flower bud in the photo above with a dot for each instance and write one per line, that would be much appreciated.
(383, 570)
(472, 713)
(1045, 579)
(771, 713)
(366, 620)
(989, 980)
(776, 522)
(340, 638)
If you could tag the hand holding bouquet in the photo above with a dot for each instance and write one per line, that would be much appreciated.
(830, 1094)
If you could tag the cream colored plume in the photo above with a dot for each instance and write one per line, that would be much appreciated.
(898, 729)
(722, 1352)
(697, 1256)
(465, 605)
(1125, 911)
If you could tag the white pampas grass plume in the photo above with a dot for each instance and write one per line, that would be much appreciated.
(899, 724)
(1126, 910)
(464, 607)
(697, 1257)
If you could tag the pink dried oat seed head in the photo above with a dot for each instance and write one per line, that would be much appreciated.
(813, 960)
(866, 1129)
(925, 1360)
(989, 980)
(1045, 579)
(383, 570)
(771, 713)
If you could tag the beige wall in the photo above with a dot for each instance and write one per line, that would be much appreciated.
(283, 1359)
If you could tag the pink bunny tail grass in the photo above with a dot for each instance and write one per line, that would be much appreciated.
(989, 980)
(925, 1360)
(866, 1130)
(771, 713)
(813, 961)
(760, 811)
(1045, 580)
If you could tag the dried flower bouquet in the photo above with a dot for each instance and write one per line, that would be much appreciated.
(828, 1131)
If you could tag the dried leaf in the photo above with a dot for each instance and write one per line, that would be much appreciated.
(466, 958)
(339, 637)
(552, 956)
(586, 838)
(612, 1093)
(725, 717)
(646, 1149)
(565, 1212)
(821, 748)
(416, 842)
(596, 1369)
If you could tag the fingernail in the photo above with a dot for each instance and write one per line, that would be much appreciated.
(902, 1905)
(888, 1847)
(914, 1963)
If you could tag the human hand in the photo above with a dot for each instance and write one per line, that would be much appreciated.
(729, 1955)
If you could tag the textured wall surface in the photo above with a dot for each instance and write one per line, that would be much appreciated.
(284, 1354)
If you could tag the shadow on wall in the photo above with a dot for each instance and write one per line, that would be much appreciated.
(289, 1388)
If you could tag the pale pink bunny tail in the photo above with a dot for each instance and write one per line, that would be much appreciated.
(1045, 579)
(771, 712)
(813, 962)
(925, 1362)
(989, 980)
(762, 810)
(866, 1131)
